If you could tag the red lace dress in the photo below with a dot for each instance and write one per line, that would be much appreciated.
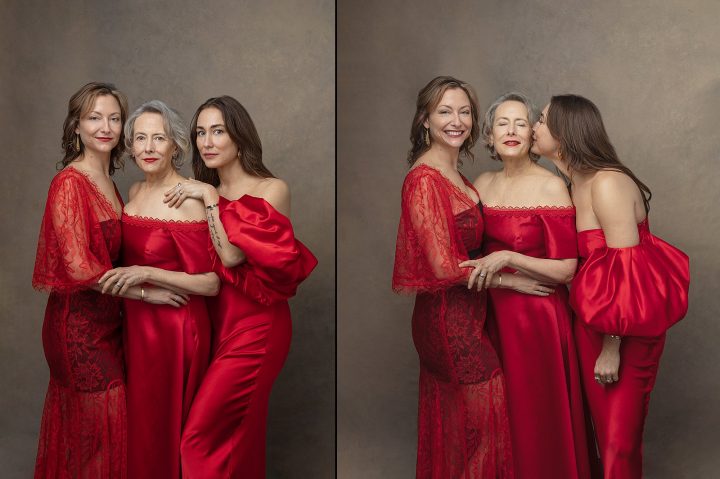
(224, 436)
(83, 430)
(638, 293)
(537, 348)
(463, 428)
(167, 349)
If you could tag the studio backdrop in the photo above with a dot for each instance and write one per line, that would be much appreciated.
(651, 67)
(277, 58)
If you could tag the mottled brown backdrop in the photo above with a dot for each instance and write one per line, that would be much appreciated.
(276, 57)
(653, 69)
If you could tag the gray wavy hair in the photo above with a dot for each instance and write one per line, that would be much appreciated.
(175, 128)
(490, 119)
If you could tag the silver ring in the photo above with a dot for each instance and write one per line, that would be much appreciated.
(482, 275)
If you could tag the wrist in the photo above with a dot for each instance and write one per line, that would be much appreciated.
(210, 196)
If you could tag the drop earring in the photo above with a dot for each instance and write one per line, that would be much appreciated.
(77, 142)
(427, 136)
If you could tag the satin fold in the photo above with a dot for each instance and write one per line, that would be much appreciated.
(224, 436)
(636, 291)
(167, 349)
(536, 346)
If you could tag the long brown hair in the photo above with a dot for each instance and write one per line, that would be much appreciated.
(80, 104)
(427, 99)
(242, 131)
(575, 122)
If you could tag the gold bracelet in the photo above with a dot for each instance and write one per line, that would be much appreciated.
(499, 279)
(142, 293)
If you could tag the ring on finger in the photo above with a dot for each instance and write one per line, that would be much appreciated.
(482, 275)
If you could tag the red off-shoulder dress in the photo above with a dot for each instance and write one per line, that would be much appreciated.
(224, 436)
(83, 429)
(167, 349)
(463, 428)
(537, 349)
(637, 293)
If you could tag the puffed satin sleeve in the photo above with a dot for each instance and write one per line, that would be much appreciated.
(559, 233)
(191, 245)
(641, 290)
(427, 251)
(276, 261)
(71, 253)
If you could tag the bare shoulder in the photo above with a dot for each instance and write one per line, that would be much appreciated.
(613, 194)
(482, 181)
(276, 192)
(193, 210)
(611, 186)
(554, 190)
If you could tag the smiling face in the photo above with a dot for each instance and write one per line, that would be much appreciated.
(545, 144)
(216, 147)
(101, 126)
(450, 121)
(151, 147)
(511, 135)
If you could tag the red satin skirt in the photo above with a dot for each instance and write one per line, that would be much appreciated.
(618, 410)
(224, 436)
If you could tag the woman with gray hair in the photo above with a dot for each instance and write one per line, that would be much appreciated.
(530, 229)
(166, 348)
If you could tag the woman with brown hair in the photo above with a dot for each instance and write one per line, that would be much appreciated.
(462, 420)
(631, 285)
(261, 264)
(530, 227)
(84, 420)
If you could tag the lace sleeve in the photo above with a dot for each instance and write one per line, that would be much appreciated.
(428, 248)
(72, 253)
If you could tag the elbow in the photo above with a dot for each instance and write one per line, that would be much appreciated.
(231, 260)
(214, 286)
(570, 272)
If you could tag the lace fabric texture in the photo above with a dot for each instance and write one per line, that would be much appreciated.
(463, 428)
(83, 429)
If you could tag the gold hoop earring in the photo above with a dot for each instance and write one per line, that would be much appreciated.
(77, 142)
(427, 136)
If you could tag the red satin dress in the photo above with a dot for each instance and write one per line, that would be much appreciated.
(167, 349)
(225, 433)
(637, 293)
(463, 428)
(536, 347)
(83, 429)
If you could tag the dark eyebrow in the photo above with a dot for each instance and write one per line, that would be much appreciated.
(448, 106)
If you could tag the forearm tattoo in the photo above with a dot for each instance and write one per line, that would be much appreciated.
(213, 230)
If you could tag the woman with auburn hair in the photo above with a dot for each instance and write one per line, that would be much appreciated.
(463, 428)
(261, 264)
(530, 227)
(167, 349)
(83, 426)
(620, 333)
